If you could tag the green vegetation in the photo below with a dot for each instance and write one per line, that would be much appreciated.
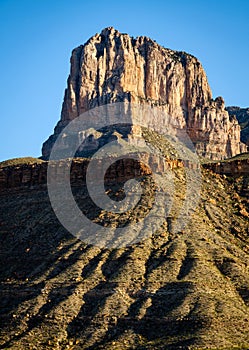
(240, 156)
(20, 161)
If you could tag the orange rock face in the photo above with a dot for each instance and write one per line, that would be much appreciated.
(114, 67)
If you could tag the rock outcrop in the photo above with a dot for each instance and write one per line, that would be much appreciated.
(113, 67)
(242, 115)
(232, 167)
(35, 175)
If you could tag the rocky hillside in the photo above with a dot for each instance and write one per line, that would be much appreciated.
(113, 67)
(185, 290)
(242, 115)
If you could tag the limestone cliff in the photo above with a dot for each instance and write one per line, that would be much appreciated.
(242, 115)
(114, 67)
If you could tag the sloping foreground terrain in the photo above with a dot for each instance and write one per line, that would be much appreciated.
(188, 290)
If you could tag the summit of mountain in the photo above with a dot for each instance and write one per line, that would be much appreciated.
(114, 67)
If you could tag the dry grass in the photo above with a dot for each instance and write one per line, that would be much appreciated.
(185, 290)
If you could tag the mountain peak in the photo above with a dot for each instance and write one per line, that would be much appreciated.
(109, 30)
(113, 67)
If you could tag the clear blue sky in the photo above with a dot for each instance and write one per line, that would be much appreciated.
(37, 37)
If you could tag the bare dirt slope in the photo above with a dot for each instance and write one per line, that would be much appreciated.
(171, 291)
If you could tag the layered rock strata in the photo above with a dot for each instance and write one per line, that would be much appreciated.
(242, 115)
(30, 175)
(113, 67)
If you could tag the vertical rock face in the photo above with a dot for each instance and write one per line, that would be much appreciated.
(113, 67)
(242, 115)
